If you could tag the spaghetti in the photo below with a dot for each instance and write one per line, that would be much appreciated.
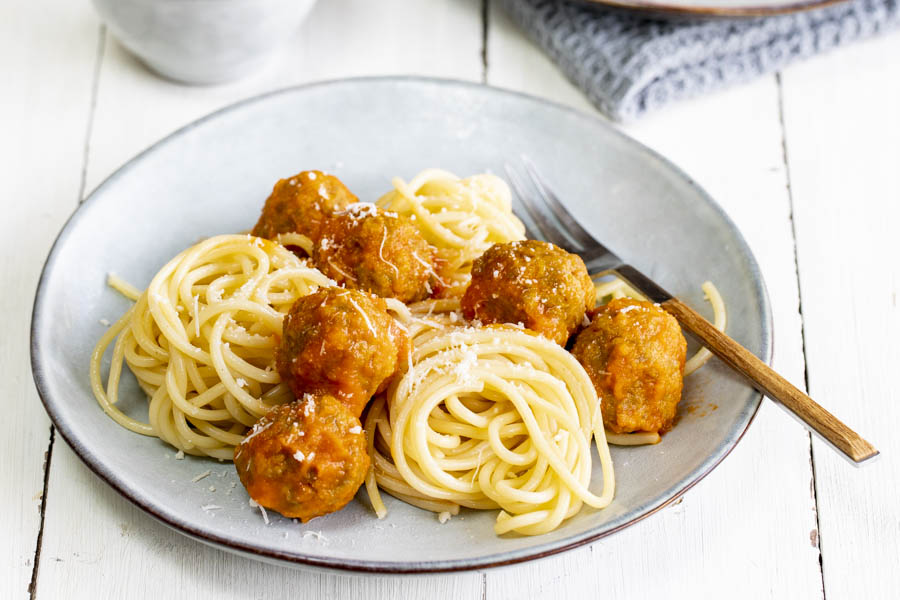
(201, 341)
(461, 218)
(484, 417)
(488, 417)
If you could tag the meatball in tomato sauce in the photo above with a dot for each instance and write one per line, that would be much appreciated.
(537, 284)
(304, 459)
(340, 342)
(365, 248)
(634, 353)
(301, 204)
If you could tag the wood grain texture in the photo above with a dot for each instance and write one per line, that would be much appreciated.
(98, 539)
(44, 107)
(767, 380)
(843, 143)
(746, 530)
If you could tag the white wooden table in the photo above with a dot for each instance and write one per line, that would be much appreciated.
(806, 163)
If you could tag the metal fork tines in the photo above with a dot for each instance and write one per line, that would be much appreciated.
(558, 226)
(555, 223)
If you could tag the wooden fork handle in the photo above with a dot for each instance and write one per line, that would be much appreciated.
(771, 383)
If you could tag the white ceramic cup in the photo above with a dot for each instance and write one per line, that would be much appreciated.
(203, 41)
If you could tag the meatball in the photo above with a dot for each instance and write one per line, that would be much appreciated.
(340, 342)
(301, 204)
(534, 283)
(304, 459)
(366, 248)
(634, 353)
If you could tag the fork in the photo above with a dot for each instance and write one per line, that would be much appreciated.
(557, 225)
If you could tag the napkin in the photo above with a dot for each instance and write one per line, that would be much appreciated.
(628, 64)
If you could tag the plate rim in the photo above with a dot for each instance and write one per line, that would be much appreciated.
(749, 10)
(96, 465)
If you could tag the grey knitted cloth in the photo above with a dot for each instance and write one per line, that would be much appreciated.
(630, 64)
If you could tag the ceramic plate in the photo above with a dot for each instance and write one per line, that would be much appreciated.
(212, 177)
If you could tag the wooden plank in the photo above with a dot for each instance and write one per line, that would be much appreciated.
(98, 539)
(842, 132)
(747, 528)
(44, 108)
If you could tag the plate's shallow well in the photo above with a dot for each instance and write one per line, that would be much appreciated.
(212, 178)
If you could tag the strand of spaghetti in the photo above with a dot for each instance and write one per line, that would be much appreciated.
(376, 409)
(639, 438)
(296, 239)
(616, 288)
(720, 322)
(122, 286)
(107, 398)
(142, 330)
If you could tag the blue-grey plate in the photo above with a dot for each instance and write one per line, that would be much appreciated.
(212, 177)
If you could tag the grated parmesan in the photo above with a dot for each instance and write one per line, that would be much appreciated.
(310, 405)
(364, 315)
(630, 308)
(360, 210)
(256, 430)
(254, 504)
(202, 475)
(381, 251)
(339, 270)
